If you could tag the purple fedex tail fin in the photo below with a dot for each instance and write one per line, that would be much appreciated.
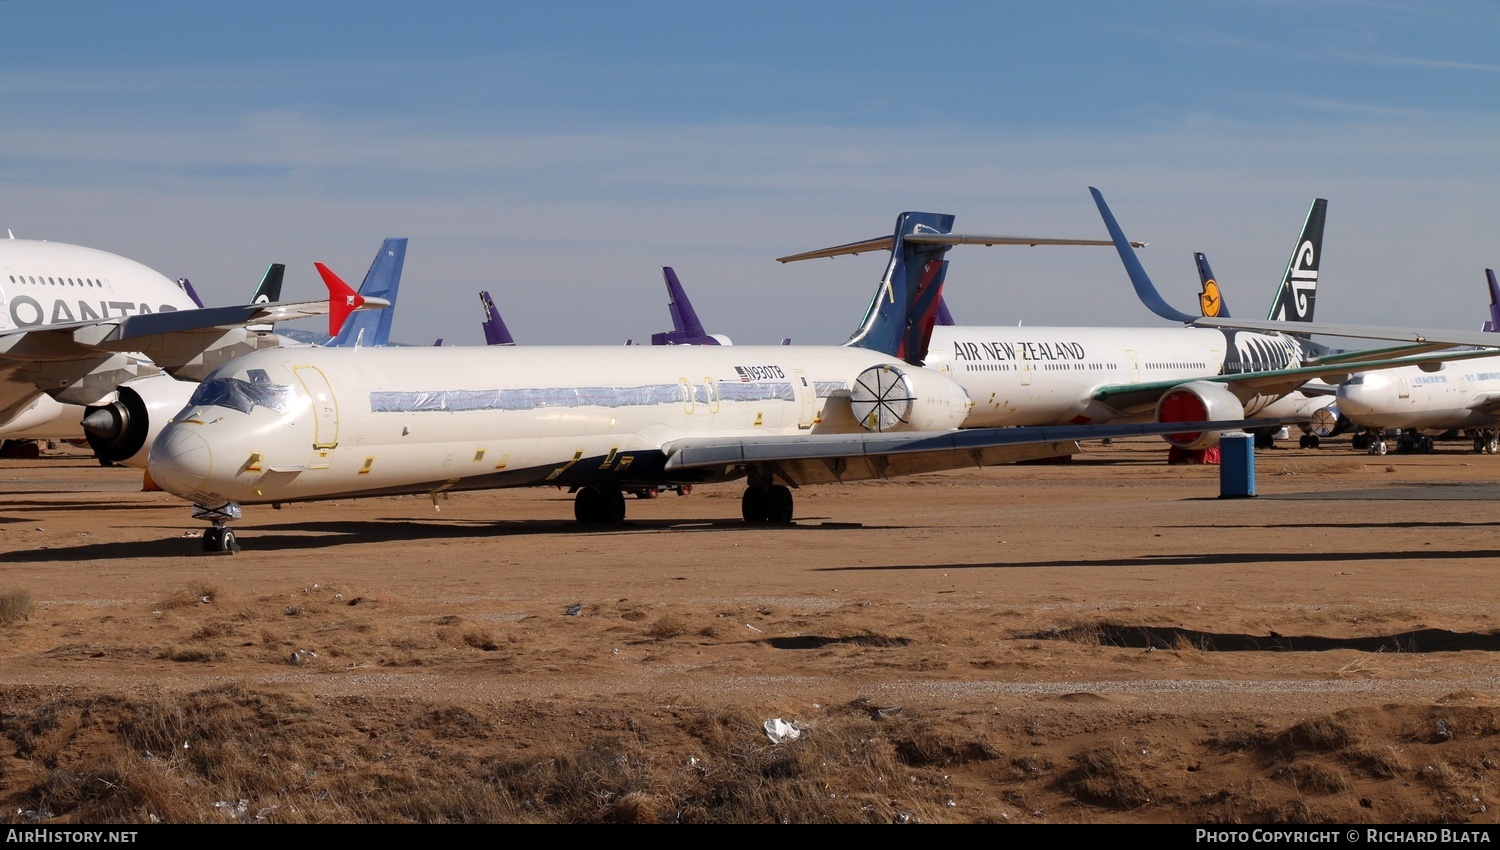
(495, 331)
(686, 329)
(187, 287)
(1493, 325)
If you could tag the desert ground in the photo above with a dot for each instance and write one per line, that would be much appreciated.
(1100, 641)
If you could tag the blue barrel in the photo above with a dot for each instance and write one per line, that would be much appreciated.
(1236, 465)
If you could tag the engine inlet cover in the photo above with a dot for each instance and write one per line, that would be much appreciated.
(882, 398)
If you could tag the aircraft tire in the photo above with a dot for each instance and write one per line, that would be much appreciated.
(779, 504)
(1313, 440)
(586, 506)
(220, 539)
(612, 505)
(755, 504)
(1492, 445)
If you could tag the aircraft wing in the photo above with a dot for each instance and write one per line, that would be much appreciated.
(884, 243)
(83, 362)
(1418, 336)
(830, 458)
(1136, 398)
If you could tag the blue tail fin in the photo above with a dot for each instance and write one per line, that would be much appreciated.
(900, 318)
(373, 327)
(686, 329)
(1494, 323)
(495, 331)
(1144, 288)
(1211, 301)
(1299, 287)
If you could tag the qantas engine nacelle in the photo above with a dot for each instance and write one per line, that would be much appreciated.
(122, 432)
(1197, 401)
(898, 397)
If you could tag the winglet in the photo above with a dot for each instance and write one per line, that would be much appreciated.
(341, 299)
(495, 331)
(1144, 288)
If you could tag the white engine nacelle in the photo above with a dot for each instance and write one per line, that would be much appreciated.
(1197, 401)
(122, 432)
(900, 397)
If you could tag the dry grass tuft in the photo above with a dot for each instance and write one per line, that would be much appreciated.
(668, 626)
(15, 606)
(189, 596)
(1314, 778)
(1327, 733)
(1111, 775)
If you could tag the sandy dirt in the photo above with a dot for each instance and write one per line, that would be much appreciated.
(1322, 652)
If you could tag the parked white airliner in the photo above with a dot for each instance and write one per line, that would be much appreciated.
(1433, 399)
(298, 424)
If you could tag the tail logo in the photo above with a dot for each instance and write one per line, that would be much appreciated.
(1209, 300)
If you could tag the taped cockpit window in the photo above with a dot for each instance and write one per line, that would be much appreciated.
(243, 396)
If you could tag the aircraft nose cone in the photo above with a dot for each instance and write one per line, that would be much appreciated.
(1357, 399)
(180, 461)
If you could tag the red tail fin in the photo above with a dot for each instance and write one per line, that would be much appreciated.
(341, 299)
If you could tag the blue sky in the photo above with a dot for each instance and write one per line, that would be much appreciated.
(559, 154)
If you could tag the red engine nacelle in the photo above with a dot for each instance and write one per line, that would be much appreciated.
(1198, 401)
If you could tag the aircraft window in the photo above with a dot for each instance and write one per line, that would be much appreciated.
(243, 395)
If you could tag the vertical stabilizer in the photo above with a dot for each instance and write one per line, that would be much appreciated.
(1299, 286)
(686, 329)
(495, 331)
(187, 287)
(901, 316)
(268, 292)
(1493, 324)
(383, 280)
(1210, 298)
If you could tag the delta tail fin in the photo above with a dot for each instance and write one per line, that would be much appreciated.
(1210, 298)
(1299, 286)
(342, 300)
(495, 331)
(1493, 325)
(383, 280)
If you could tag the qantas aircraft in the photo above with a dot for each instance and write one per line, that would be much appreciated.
(81, 328)
(320, 423)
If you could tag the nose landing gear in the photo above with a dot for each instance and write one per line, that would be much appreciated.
(219, 538)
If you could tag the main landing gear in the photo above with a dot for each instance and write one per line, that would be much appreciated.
(1486, 443)
(219, 538)
(767, 503)
(594, 505)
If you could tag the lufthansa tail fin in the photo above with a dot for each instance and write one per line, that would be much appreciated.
(495, 331)
(1299, 286)
(1211, 301)
(383, 280)
(1493, 324)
